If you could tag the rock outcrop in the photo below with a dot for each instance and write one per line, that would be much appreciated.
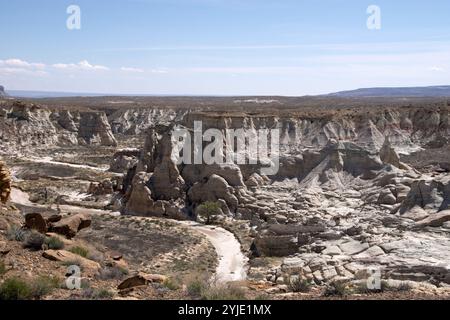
(71, 225)
(95, 129)
(2, 92)
(24, 127)
(5, 182)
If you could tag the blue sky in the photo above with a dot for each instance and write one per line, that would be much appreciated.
(222, 47)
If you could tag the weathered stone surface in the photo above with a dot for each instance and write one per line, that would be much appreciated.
(332, 251)
(213, 189)
(434, 220)
(431, 195)
(275, 246)
(5, 182)
(95, 129)
(141, 279)
(70, 226)
(89, 266)
(353, 247)
(36, 222)
(124, 160)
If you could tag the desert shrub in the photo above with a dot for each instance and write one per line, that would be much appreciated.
(81, 251)
(337, 288)
(171, 284)
(196, 284)
(44, 285)
(95, 255)
(104, 294)
(16, 234)
(223, 292)
(298, 284)
(2, 268)
(207, 210)
(54, 243)
(195, 288)
(109, 273)
(15, 289)
(96, 294)
(34, 240)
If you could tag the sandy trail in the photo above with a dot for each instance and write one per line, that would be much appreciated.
(232, 262)
(49, 160)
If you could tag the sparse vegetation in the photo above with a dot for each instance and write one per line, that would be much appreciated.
(208, 210)
(223, 292)
(15, 289)
(96, 294)
(16, 234)
(337, 288)
(2, 268)
(34, 240)
(109, 273)
(81, 251)
(298, 284)
(195, 286)
(44, 285)
(54, 243)
(171, 284)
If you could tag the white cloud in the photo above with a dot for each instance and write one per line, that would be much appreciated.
(132, 70)
(82, 66)
(17, 63)
(14, 67)
(437, 69)
(160, 71)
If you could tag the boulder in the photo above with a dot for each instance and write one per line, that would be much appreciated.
(213, 189)
(36, 221)
(434, 220)
(5, 183)
(71, 225)
(353, 247)
(88, 266)
(140, 199)
(94, 128)
(275, 246)
(141, 279)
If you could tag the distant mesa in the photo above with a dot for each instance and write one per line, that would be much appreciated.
(434, 91)
(2, 92)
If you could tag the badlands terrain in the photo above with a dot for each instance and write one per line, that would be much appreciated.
(359, 209)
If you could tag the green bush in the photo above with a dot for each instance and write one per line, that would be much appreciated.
(299, 284)
(196, 286)
(171, 284)
(207, 210)
(223, 292)
(104, 294)
(34, 240)
(337, 288)
(16, 234)
(81, 251)
(96, 294)
(109, 273)
(2, 268)
(44, 285)
(15, 289)
(54, 243)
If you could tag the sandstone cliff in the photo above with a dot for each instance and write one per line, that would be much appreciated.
(27, 126)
